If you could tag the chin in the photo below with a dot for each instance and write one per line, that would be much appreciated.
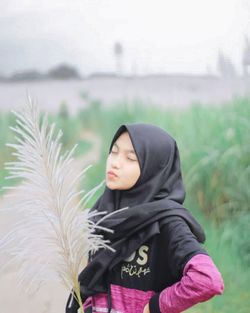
(111, 186)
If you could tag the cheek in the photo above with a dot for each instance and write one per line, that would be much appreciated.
(138, 172)
(134, 172)
(108, 161)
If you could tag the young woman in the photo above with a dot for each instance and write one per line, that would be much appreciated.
(159, 263)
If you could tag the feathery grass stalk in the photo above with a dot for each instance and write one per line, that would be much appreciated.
(54, 235)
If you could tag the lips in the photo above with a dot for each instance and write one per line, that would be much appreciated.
(112, 174)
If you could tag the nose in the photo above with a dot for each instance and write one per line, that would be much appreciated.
(116, 162)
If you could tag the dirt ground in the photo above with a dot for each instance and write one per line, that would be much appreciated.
(52, 297)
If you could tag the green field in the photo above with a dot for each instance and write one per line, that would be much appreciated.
(214, 144)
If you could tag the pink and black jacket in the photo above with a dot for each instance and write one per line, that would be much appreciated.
(171, 272)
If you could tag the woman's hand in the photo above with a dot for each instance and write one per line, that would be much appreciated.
(146, 309)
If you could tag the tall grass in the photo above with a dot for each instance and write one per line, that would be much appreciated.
(6, 120)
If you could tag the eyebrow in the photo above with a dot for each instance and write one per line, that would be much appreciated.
(130, 151)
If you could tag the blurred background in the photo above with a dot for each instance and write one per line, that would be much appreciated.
(182, 65)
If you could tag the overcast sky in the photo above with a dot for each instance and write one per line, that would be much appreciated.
(173, 36)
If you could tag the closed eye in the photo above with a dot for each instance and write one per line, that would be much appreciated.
(132, 159)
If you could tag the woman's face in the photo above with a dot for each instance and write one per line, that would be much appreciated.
(123, 163)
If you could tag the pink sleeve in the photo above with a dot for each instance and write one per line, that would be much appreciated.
(87, 303)
(201, 281)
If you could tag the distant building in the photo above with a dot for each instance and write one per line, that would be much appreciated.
(102, 75)
(118, 53)
(225, 66)
(246, 57)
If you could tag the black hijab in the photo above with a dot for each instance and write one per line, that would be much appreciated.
(156, 197)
